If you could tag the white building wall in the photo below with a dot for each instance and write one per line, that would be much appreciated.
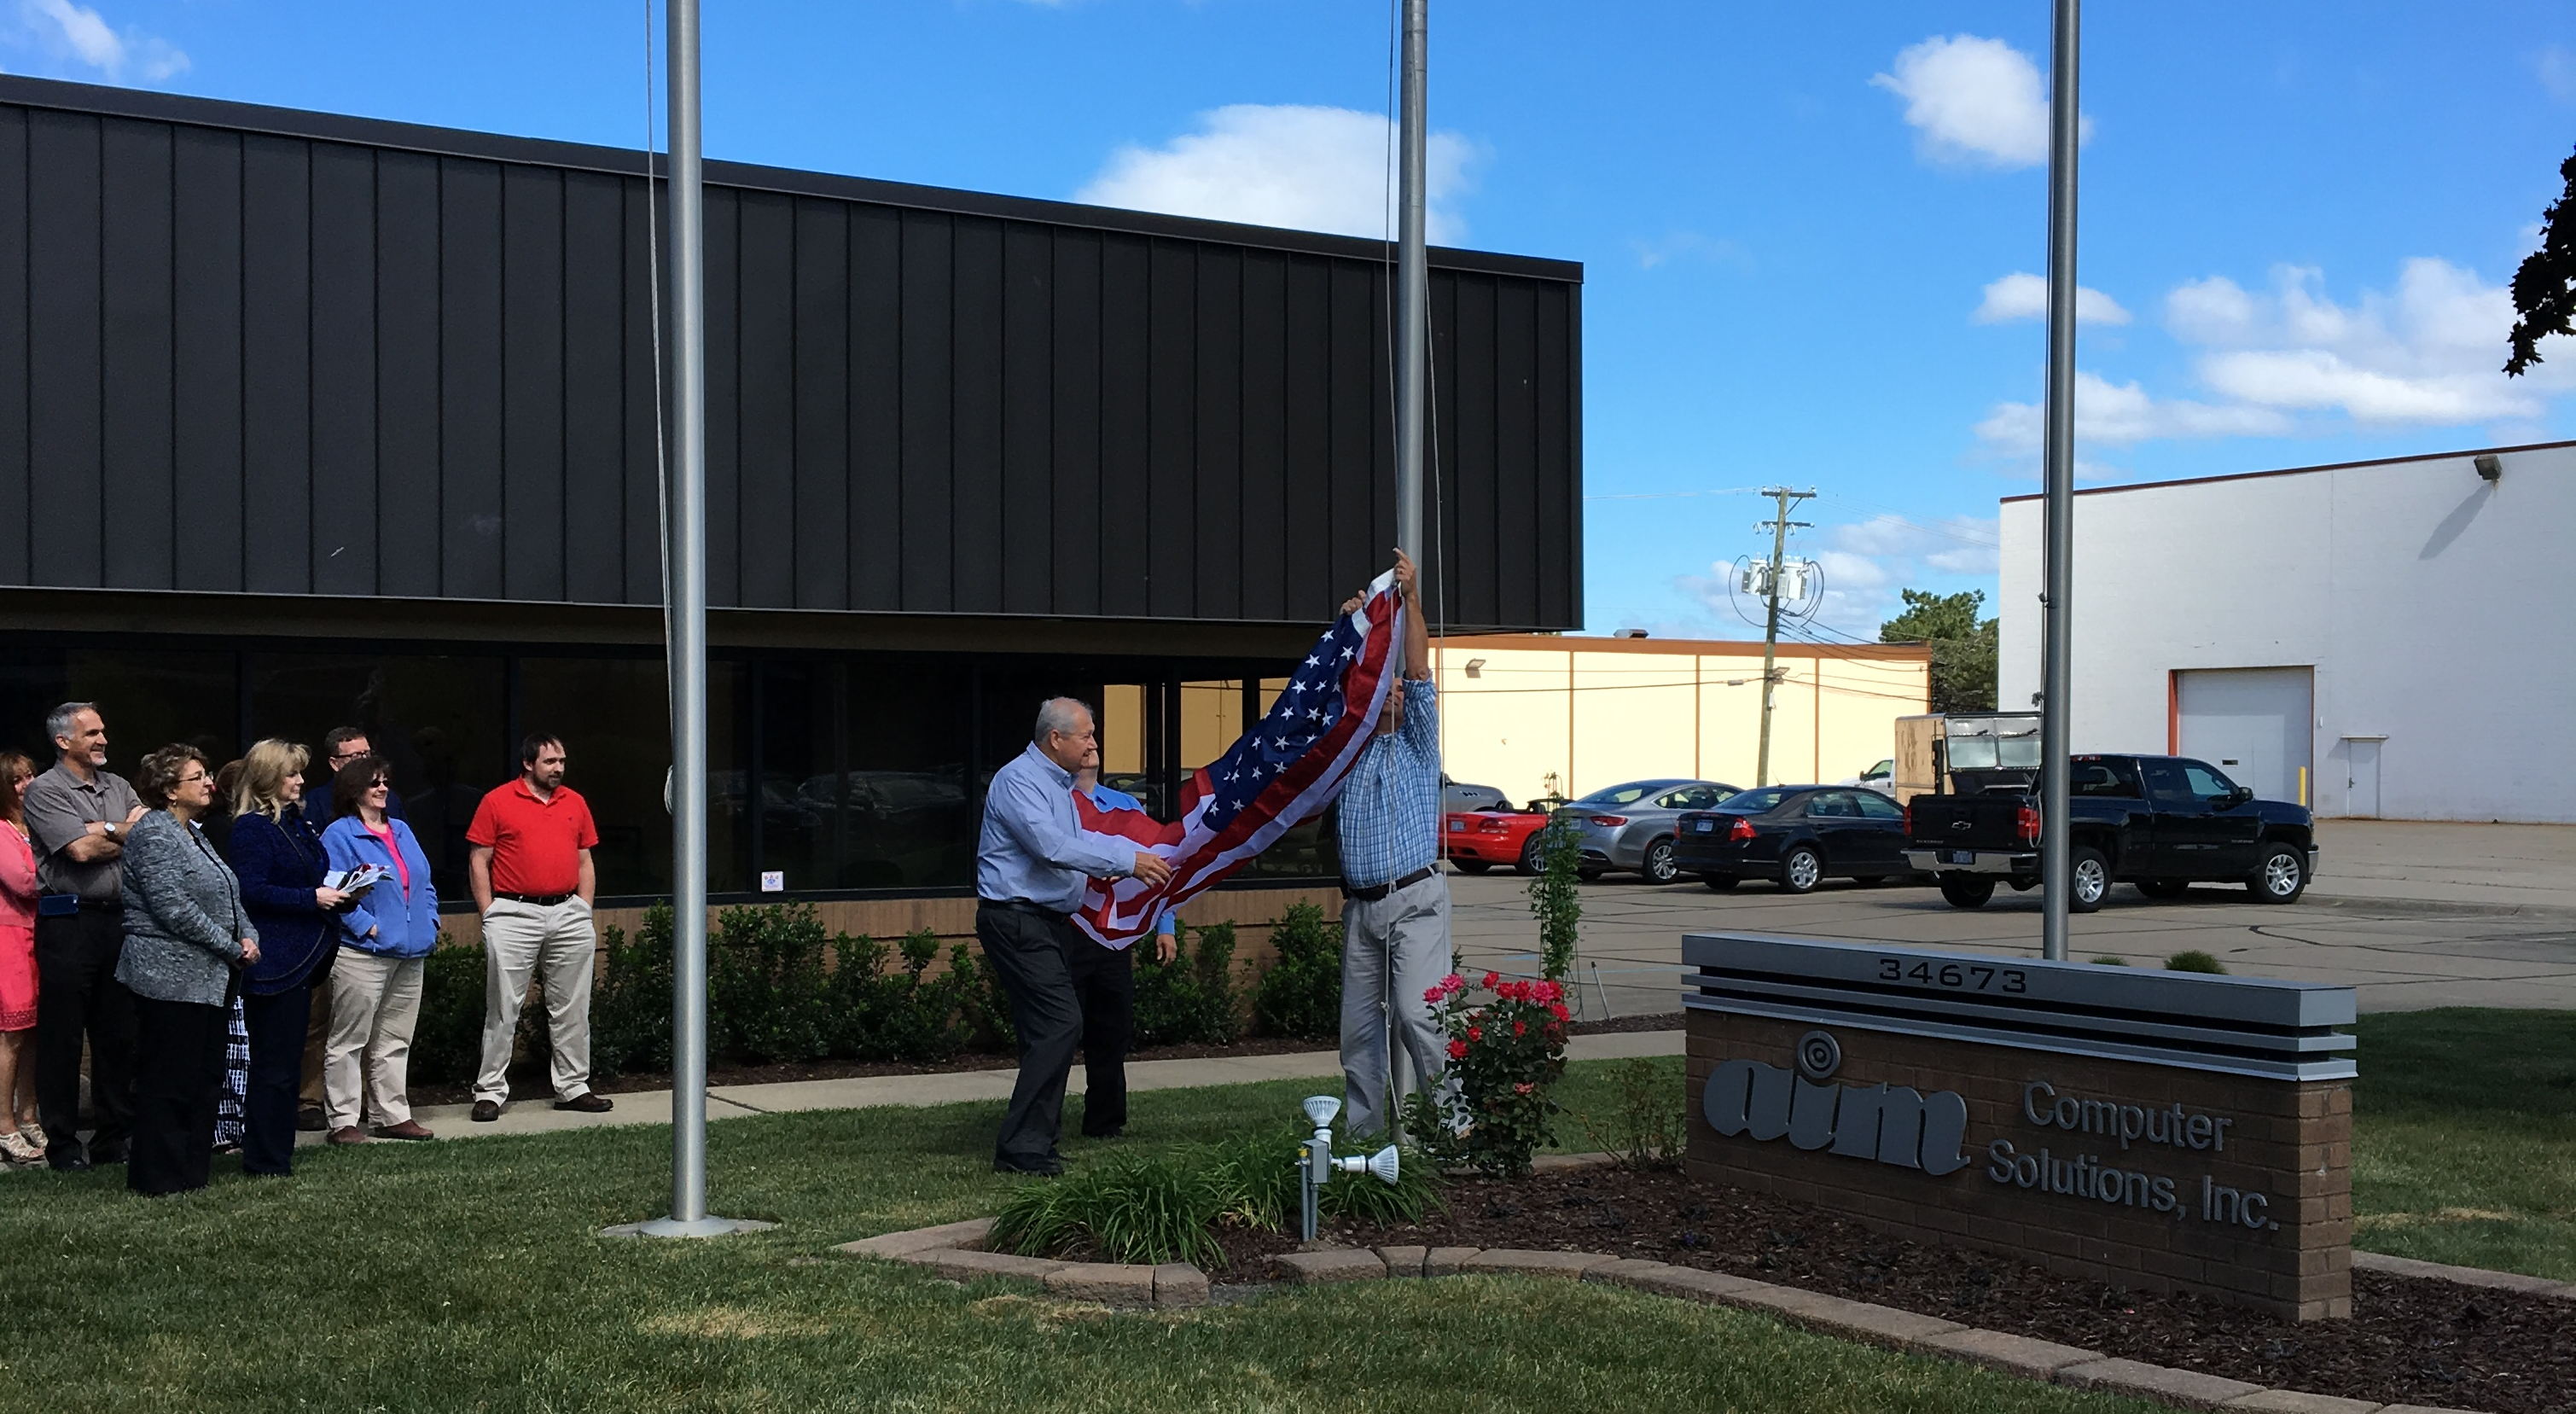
(2437, 609)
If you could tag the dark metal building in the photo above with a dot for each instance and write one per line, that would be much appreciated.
(307, 419)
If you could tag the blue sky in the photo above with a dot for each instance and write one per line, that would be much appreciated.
(1799, 223)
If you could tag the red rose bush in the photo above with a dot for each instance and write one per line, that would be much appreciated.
(1505, 1056)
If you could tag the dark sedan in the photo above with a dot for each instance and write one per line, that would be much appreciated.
(1796, 836)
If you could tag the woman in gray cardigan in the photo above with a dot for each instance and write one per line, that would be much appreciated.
(185, 933)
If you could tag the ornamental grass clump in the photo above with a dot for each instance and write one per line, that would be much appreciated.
(1128, 1209)
(1505, 1058)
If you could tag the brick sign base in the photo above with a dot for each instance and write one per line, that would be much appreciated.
(2143, 1175)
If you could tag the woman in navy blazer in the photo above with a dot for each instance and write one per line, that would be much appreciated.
(280, 859)
(375, 994)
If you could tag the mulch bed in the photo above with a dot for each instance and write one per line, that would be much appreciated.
(2408, 1341)
(527, 1075)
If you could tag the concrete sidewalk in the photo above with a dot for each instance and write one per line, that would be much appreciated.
(2507, 868)
(538, 1116)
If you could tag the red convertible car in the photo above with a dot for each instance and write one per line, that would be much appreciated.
(1477, 840)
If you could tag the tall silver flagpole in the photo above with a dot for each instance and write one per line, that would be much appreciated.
(688, 650)
(1412, 352)
(2055, 848)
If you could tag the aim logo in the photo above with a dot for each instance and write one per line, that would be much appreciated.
(1891, 1124)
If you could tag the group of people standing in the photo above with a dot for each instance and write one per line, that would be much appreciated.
(158, 920)
(1070, 994)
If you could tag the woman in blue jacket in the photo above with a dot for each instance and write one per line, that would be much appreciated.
(375, 983)
(278, 856)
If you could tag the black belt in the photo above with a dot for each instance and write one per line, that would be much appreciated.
(535, 900)
(1374, 892)
(65, 905)
(1023, 905)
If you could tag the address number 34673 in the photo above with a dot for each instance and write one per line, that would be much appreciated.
(1953, 976)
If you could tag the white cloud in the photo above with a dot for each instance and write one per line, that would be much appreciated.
(1974, 100)
(1688, 245)
(82, 35)
(2022, 295)
(2118, 414)
(1293, 165)
(2558, 73)
(1864, 563)
(2427, 353)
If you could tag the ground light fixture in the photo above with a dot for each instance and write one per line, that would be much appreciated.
(1318, 1165)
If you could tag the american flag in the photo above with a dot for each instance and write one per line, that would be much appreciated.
(1275, 777)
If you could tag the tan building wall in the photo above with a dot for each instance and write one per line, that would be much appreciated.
(1576, 714)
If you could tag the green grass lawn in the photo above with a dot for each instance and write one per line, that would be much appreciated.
(2464, 1138)
(466, 1276)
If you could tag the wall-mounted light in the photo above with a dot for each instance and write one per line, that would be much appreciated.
(1475, 667)
(2490, 466)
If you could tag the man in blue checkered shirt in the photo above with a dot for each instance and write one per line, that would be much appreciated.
(1395, 903)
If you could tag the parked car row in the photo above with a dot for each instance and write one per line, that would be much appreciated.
(2161, 823)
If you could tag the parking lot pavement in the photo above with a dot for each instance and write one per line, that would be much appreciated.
(2402, 953)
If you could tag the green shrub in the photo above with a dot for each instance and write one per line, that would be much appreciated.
(2194, 961)
(907, 1017)
(765, 985)
(630, 1007)
(1191, 998)
(1505, 1058)
(2107, 960)
(1643, 1128)
(1131, 1208)
(447, 1040)
(983, 1006)
(1259, 1171)
(1301, 996)
(1556, 896)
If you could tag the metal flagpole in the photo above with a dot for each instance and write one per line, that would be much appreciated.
(1412, 349)
(2055, 847)
(687, 646)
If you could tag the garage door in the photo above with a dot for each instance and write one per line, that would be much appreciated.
(2251, 723)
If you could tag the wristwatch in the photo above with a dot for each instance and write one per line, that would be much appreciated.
(110, 831)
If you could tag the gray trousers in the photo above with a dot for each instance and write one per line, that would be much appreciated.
(1394, 949)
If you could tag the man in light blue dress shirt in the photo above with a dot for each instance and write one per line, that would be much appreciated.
(1395, 903)
(1032, 863)
(1104, 983)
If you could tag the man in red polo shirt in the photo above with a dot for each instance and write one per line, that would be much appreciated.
(531, 875)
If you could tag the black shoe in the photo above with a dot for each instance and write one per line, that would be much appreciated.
(107, 1153)
(68, 1163)
(1118, 1133)
(310, 1121)
(486, 1111)
(1038, 1168)
(589, 1103)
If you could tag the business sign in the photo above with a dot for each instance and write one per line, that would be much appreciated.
(2158, 1130)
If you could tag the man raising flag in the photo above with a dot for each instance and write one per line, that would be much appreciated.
(1342, 723)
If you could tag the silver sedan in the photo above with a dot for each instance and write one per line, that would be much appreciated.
(1631, 826)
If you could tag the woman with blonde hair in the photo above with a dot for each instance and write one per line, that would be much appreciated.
(277, 852)
(22, 1140)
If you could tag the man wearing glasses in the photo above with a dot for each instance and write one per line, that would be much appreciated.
(340, 746)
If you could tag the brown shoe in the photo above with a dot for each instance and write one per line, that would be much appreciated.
(486, 1111)
(589, 1102)
(408, 1129)
(350, 1134)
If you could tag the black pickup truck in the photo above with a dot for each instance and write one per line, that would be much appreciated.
(2162, 823)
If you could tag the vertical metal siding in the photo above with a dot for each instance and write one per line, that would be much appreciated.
(250, 361)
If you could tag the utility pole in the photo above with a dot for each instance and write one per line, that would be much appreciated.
(2056, 848)
(1779, 525)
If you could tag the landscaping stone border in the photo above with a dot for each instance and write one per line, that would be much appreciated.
(956, 1251)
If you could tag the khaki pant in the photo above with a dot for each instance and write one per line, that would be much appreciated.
(375, 1003)
(557, 945)
(1394, 949)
